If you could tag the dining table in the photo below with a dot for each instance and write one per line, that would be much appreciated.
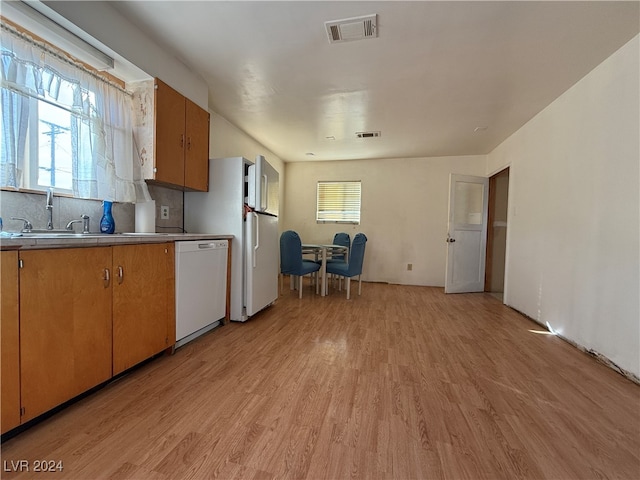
(323, 252)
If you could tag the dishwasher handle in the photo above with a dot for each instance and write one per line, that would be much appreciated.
(200, 245)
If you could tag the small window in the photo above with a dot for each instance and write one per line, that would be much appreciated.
(338, 202)
(50, 147)
(62, 124)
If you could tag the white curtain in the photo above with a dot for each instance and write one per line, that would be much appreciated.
(101, 126)
(13, 131)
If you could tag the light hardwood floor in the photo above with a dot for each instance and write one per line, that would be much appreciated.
(400, 383)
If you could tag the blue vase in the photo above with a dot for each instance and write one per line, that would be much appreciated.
(107, 223)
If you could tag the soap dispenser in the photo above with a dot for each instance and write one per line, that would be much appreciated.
(107, 223)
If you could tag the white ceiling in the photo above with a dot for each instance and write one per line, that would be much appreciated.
(436, 71)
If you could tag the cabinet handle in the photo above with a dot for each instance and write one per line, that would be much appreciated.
(106, 278)
(188, 143)
(120, 275)
(182, 140)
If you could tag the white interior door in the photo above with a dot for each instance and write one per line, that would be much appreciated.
(467, 233)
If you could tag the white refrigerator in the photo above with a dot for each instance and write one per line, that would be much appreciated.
(242, 201)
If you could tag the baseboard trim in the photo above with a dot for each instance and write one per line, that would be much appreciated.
(593, 353)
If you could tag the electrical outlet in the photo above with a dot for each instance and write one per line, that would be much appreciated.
(409, 266)
(164, 212)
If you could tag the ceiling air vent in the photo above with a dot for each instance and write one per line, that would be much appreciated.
(356, 28)
(367, 134)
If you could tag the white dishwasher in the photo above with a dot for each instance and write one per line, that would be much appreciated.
(201, 287)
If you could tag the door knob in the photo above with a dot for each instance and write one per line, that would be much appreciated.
(450, 240)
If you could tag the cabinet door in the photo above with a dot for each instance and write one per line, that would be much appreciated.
(169, 135)
(143, 303)
(65, 325)
(10, 347)
(196, 166)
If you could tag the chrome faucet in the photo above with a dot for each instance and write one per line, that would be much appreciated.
(49, 208)
(85, 223)
(26, 227)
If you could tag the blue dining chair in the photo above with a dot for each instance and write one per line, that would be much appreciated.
(353, 266)
(291, 261)
(343, 239)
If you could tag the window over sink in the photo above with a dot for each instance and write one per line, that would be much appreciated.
(63, 125)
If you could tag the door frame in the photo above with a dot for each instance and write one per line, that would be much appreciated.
(490, 234)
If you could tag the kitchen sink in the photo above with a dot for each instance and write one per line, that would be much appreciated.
(58, 235)
(83, 235)
(142, 234)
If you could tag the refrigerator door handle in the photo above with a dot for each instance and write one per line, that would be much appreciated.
(257, 243)
(263, 193)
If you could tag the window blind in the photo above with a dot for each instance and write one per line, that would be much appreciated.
(338, 202)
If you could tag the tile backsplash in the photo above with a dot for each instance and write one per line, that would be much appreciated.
(174, 199)
(32, 207)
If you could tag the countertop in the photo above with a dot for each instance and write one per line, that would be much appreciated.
(38, 241)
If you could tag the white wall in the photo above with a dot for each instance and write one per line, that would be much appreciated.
(108, 26)
(226, 140)
(574, 215)
(573, 246)
(404, 211)
(104, 23)
(100, 20)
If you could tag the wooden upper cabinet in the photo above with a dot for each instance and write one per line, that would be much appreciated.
(169, 135)
(10, 347)
(181, 140)
(196, 165)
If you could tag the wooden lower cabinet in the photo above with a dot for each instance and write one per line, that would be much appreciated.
(143, 303)
(72, 318)
(10, 341)
(65, 325)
